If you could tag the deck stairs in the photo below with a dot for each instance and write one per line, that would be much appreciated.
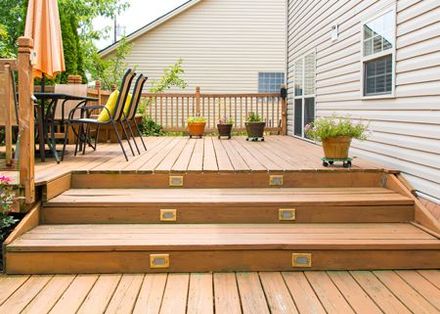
(264, 223)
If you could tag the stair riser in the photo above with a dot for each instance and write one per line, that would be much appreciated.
(293, 179)
(187, 214)
(205, 261)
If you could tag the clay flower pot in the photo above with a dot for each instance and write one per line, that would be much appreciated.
(336, 147)
(196, 129)
(224, 130)
(255, 129)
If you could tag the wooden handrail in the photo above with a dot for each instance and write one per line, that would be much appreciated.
(171, 110)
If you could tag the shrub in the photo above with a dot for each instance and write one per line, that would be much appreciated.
(150, 128)
(254, 117)
(7, 197)
(196, 120)
(335, 126)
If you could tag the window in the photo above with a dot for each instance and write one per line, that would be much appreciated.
(378, 54)
(304, 95)
(270, 82)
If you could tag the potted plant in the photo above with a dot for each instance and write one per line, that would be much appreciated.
(196, 126)
(224, 127)
(336, 134)
(255, 127)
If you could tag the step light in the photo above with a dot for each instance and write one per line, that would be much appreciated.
(159, 261)
(287, 214)
(301, 260)
(276, 180)
(176, 181)
(168, 215)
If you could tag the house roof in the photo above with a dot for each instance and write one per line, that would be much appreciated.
(157, 22)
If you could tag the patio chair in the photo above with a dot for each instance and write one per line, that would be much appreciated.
(114, 117)
(129, 115)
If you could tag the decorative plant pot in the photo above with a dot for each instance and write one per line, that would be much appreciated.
(255, 129)
(224, 130)
(196, 129)
(336, 147)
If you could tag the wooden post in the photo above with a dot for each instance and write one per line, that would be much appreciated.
(98, 90)
(283, 110)
(26, 118)
(8, 115)
(197, 97)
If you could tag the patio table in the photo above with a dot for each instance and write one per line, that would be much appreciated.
(46, 118)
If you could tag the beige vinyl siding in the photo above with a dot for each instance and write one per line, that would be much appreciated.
(405, 129)
(223, 44)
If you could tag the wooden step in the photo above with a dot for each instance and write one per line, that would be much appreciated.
(331, 205)
(311, 178)
(221, 247)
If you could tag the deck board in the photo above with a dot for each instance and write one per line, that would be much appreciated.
(251, 292)
(167, 154)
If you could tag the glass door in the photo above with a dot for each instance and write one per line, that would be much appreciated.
(304, 95)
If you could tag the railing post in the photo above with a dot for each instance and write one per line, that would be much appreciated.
(197, 96)
(98, 90)
(283, 95)
(8, 115)
(26, 118)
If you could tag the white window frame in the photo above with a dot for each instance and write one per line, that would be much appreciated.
(303, 96)
(378, 55)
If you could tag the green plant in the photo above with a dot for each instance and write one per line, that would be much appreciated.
(150, 128)
(7, 197)
(226, 120)
(254, 117)
(196, 120)
(171, 78)
(335, 126)
(111, 70)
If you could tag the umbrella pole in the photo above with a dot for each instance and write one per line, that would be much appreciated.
(41, 128)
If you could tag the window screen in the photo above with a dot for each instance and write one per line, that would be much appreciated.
(270, 82)
(378, 76)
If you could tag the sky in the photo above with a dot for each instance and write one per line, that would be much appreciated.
(140, 13)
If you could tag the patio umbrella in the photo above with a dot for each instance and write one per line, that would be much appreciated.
(43, 26)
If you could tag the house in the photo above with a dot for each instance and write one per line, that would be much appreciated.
(226, 45)
(377, 61)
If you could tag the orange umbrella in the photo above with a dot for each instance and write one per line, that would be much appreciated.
(43, 26)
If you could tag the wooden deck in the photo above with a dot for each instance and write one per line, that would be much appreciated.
(181, 154)
(264, 292)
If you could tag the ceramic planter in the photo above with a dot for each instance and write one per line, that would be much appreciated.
(224, 130)
(196, 129)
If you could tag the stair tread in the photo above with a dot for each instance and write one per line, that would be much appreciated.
(105, 197)
(123, 237)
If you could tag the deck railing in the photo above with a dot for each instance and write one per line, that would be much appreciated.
(8, 117)
(172, 110)
(24, 118)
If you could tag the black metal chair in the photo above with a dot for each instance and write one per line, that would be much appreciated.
(131, 115)
(83, 133)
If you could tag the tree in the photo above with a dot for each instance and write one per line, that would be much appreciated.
(5, 51)
(110, 70)
(76, 17)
